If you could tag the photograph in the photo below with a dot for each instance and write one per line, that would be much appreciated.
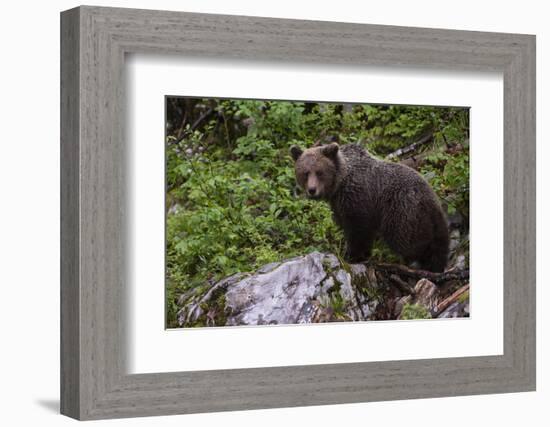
(297, 212)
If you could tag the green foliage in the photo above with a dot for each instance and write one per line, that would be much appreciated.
(232, 202)
(414, 311)
(338, 306)
(449, 176)
(464, 297)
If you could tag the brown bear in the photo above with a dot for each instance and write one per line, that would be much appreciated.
(372, 198)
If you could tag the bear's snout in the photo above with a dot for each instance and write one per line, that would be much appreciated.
(312, 191)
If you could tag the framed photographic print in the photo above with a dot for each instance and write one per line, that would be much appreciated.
(283, 213)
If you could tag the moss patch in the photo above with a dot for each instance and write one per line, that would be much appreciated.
(415, 311)
(464, 297)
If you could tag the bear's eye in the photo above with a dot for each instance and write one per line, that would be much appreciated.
(320, 174)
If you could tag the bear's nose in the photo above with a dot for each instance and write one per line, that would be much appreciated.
(311, 191)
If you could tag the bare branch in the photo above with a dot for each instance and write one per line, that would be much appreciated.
(412, 147)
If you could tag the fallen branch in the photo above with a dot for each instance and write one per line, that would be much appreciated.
(412, 147)
(451, 299)
(401, 270)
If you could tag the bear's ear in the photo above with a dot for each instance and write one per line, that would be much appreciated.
(330, 150)
(295, 152)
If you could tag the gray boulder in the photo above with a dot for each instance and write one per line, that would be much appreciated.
(312, 288)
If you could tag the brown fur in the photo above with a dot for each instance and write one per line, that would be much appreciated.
(371, 198)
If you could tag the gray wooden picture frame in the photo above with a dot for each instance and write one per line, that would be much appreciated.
(94, 382)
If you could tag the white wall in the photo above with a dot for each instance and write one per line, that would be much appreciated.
(29, 225)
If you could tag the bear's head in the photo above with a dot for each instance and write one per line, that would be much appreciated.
(317, 169)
